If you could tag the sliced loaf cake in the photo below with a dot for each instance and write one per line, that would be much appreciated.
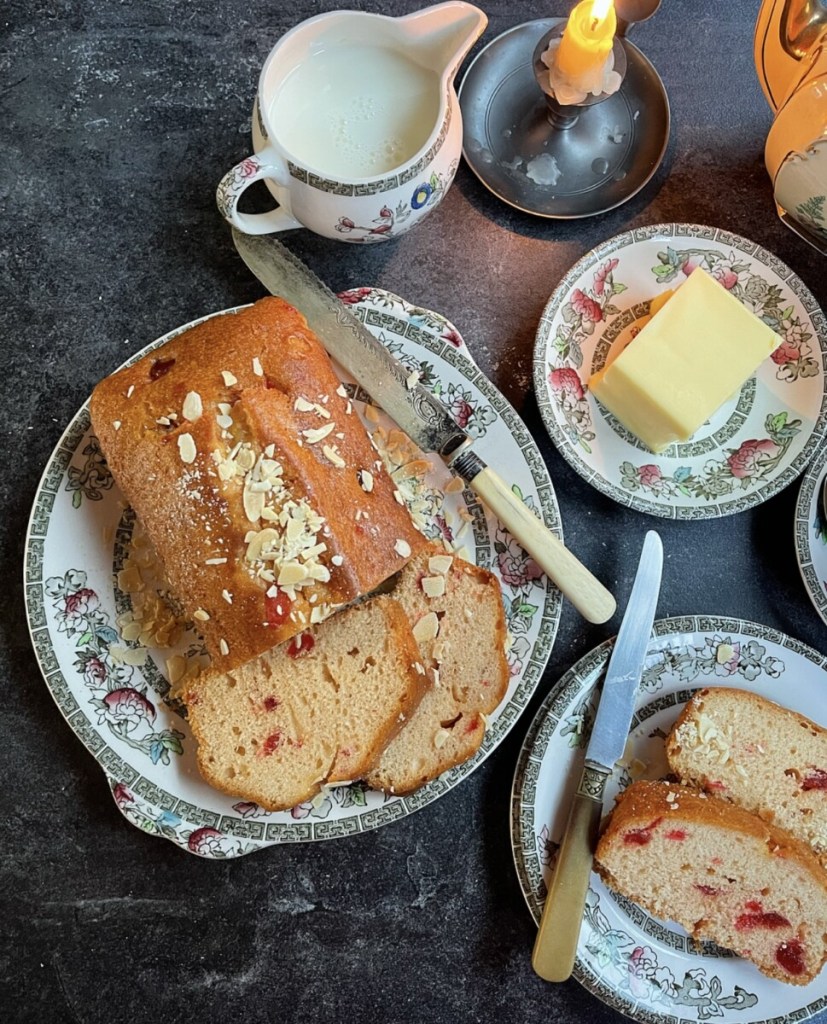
(754, 753)
(318, 709)
(458, 619)
(722, 873)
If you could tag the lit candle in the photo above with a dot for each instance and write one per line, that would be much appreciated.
(587, 40)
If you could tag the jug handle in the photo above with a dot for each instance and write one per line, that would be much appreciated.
(268, 164)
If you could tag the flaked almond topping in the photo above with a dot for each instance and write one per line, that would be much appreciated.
(454, 485)
(200, 615)
(337, 560)
(257, 367)
(349, 407)
(228, 597)
(331, 453)
(192, 407)
(186, 448)
(440, 563)
(433, 586)
(398, 498)
(402, 548)
(302, 405)
(215, 561)
(341, 391)
(130, 390)
(441, 737)
(223, 646)
(116, 424)
(176, 668)
(412, 380)
(270, 451)
(163, 421)
(427, 628)
(229, 378)
(318, 433)
(366, 480)
(321, 411)
(225, 422)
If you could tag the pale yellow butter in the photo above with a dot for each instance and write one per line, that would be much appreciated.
(685, 363)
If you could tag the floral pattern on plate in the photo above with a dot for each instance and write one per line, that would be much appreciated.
(648, 969)
(113, 692)
(754, 445)
(811, 533)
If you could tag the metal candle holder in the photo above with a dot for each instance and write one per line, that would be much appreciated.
(560, 160)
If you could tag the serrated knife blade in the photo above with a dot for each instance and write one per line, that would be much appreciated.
(419, 413)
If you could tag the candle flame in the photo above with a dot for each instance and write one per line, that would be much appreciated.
(600, 8)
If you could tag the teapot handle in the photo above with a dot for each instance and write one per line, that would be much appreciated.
(268, 164)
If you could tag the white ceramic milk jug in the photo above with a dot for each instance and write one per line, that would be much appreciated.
(357, 128)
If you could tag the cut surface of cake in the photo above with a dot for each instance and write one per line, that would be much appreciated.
(457, 615)
(751, 751)
(316, 710)
(720, 872)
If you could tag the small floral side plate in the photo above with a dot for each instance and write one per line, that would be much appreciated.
(754, 445)
(643, 967)
(113, 693)
(811, 533)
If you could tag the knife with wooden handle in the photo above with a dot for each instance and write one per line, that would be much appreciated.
(556, 945)
(419, 414)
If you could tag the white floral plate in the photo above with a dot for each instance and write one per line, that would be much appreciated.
(643, 967)
(79, 535)
(811, 534)
(755, 444)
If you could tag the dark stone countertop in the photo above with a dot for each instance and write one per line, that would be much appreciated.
(117, 122)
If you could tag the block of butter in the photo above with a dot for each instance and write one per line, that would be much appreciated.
(687, 361)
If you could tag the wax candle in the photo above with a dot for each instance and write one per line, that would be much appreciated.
(587, 40)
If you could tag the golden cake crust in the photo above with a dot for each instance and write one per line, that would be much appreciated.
(239, 406)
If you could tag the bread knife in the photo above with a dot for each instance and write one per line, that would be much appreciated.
(418, 413)
(556, 945)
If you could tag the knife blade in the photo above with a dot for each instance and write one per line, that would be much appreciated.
(556, 945)
(422, 416)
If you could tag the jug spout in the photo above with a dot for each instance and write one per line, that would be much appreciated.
(442, 35)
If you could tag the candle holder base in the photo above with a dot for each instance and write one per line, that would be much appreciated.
(588, 159)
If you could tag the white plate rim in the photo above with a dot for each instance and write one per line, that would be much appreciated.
(571, 454)
(804, 533)
(137, 808)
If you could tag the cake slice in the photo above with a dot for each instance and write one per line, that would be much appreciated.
(756, 754)
(318, 709)
(722, 873)
(458, 619)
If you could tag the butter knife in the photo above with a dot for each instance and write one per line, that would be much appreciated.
(418, 413)
(556, 944)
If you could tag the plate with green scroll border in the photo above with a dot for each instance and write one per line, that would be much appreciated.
(113, 694)
(811, 533)
(754, 445)
(643, 967)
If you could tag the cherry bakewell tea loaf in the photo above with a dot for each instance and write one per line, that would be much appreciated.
(458, 619)
(318, 709)
(256, 482)
(722, 873)
(754, 753)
